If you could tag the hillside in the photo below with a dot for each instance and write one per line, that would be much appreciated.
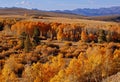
(30, 12)
(21, 12)
(94, 12)
(55, 49)
(115, 18)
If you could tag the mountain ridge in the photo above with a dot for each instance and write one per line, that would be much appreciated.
(115, 10)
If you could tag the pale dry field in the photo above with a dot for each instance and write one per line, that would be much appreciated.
(113, 26)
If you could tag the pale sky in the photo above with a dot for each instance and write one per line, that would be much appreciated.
(59, 4)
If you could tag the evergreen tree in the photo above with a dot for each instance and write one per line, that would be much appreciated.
(27, 44)
(36, 35)
(36, 32)
(22, 39)
(109, 37)
(101, 37)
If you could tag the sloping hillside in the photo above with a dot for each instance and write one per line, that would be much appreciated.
(29, 12)
(21, 12)
(115, 18)
(94, 12)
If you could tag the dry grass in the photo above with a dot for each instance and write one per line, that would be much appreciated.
(112, 26)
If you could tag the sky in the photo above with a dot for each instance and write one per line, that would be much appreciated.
(59, 4)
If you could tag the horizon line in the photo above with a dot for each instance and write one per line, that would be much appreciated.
(57, 9)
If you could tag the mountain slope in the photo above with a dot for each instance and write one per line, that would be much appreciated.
(30, 12)
(115, 18)
(94, 12)
(34, 12)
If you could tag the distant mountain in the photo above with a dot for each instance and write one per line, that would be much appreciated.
(93, 12)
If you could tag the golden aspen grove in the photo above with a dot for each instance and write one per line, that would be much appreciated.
(58, 49)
